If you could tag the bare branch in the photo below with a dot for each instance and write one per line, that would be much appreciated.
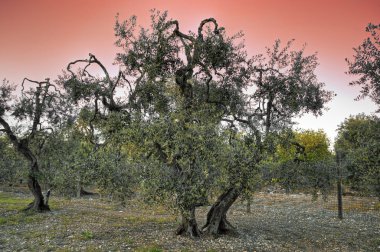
(205, 21)
(177, 31)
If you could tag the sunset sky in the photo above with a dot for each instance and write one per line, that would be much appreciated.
(38, 38)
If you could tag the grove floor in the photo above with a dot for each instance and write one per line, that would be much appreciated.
(277, 222)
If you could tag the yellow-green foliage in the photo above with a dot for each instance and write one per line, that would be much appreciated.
(316, 144)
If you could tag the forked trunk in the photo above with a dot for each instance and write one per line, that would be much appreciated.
(189, 224)
(217, 222)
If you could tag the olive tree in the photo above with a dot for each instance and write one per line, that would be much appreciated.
(39, 109)
(67, 161)
(182, 90)
(206, 73)
(358, 146)
(183, 83)
(212, 73)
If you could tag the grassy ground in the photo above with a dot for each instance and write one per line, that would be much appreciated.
(79, 224)
(277, 223)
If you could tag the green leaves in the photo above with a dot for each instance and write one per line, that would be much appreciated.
(196, 114)
(358, 147)
(303, 161)
(287, 86)
(366, 65)
(5, 96)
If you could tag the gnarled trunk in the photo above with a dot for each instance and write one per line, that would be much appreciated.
(217, 222)
(189, 224)
(39, 203)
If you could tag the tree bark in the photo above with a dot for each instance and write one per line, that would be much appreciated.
(217, 222)
(79, 187)
(189, 224)
(249, 201)
(38, 204)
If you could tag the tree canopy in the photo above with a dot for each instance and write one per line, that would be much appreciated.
(193, 99)
(303, 161)
(366, 65)
(358, 148)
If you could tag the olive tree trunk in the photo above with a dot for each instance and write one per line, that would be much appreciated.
(38, 203)
(189, 224)
(217, 222)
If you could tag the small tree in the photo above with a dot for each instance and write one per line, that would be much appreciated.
(358, 144)
(366, 65)
(35, 107)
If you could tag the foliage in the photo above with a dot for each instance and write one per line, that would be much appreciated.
(358, 147)
(286, 86)
(183, 162)
(70, 160)
(13, 168)
(115, 174)
(366, 65)
(305, 145)
(178, 89)
(303, 161)
(66, 163)
(198, 115)
(5, 96)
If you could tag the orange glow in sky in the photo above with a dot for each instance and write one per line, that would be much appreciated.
(38, 38)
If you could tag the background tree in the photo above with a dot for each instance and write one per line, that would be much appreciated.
(366, 65)
(358, 146)
(303, 161)
(39, 109)
(70, 160)
(13, 169)
(67, 161)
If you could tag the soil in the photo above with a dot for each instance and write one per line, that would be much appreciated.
(277, 222)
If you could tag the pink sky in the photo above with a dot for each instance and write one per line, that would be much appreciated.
(38, 38)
